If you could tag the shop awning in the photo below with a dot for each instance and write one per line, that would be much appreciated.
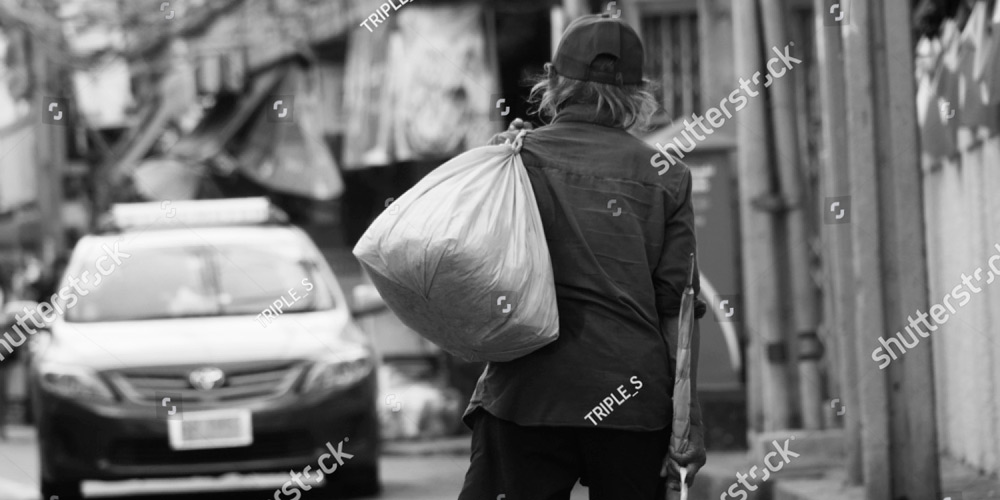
(284, 153)
(222, 122)
(270, 32)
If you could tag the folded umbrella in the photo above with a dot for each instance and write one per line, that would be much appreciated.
(681, 428)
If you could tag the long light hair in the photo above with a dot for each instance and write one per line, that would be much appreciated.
(631, 106)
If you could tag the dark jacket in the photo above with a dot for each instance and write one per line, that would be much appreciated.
(620, 236)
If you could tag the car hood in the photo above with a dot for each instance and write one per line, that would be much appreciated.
(212, 340)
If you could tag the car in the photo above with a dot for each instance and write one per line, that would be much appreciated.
(203, 338)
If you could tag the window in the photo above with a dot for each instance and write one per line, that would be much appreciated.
(673, 62)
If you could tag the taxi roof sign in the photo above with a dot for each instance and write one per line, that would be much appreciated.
(225, 212)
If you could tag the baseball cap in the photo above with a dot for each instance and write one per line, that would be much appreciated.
(590, 36)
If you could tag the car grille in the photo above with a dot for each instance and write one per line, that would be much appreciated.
(151, 452)
(261, 381)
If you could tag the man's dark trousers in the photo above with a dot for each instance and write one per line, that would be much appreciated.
(544, 463)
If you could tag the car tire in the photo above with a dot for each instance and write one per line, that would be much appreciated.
(364, 482)
(63, 490)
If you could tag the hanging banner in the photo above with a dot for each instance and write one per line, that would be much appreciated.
(367, 101)
(443, 81)
(973, 109)
(103, 90)
(14, 81)
(285, 149)
(18, 183)
(104, 94)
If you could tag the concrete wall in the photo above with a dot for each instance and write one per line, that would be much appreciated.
(962, 209)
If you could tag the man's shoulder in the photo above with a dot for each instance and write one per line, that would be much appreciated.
(638, 161)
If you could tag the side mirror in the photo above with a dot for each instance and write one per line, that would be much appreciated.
(367, 301)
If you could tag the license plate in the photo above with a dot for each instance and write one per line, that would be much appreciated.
(211, 429)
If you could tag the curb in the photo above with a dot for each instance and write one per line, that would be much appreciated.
(451, 446)
(10, 490)
(826, 488)
(19, 434)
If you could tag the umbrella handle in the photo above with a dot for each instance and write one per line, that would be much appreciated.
(690, 282)
(684, 484)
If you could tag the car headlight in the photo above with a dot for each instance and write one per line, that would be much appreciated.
(339, 370)
(74, 383)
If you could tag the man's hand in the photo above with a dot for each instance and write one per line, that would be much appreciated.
(508, 135)
(692, 459)
(518, 124)
(700, 308)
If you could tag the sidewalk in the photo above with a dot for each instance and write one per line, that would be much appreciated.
(958, 482)
(18, 472)
(411, 470)
(22, 434)
(459, 445)
(18, 464)
(811, 482)
(10, 490)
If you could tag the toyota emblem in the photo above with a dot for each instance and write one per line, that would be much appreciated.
(206, 379)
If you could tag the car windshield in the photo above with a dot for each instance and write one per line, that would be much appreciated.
(252, 280)
(182, 282)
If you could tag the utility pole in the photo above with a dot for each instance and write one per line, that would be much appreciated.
(575, 9)
(561, 15)
(630, 13)
(834, 184)
(796, 246)
(50, 153)
(897, 403)
(865, 243)
(913, 433)
(557, 24)
(768, 393)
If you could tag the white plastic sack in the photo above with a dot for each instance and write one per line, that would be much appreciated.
(461, 258)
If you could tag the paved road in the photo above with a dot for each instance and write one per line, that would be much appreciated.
(408, 477)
